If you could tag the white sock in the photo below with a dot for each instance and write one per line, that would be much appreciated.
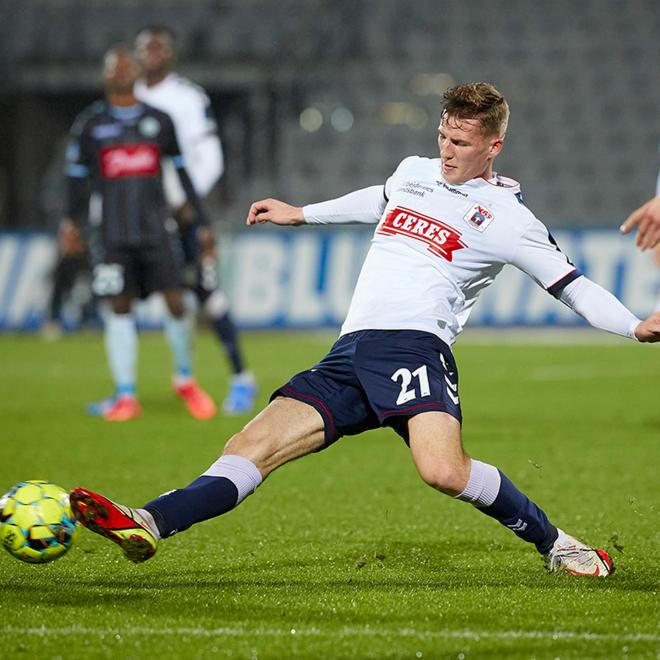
(242, 472)
(149, 521)
(483, 485)
(121, 347)
(178, 332)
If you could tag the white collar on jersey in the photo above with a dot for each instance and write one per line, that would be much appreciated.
(496, 181)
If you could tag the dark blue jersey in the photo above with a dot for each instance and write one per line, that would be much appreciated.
(114, 172)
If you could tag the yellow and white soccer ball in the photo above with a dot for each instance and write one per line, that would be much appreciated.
(36, 523)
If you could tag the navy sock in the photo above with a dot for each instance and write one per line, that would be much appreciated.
(204, 498)
(524, 518)
(225, 329)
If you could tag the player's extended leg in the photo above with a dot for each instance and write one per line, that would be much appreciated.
(120, 337)
(178, 331)
(435, 443)
(287, 429)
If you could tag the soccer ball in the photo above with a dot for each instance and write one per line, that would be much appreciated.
(36, 523)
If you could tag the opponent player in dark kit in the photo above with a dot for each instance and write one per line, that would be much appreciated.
(114, 179)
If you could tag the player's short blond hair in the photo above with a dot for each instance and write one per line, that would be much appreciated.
(480, 101)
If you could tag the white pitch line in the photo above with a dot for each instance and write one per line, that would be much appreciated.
(347, 631)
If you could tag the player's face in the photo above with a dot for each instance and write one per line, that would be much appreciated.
(120, 71)
(466, 153)
(154, 52)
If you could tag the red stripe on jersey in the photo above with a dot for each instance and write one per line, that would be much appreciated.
(441, 239)
(126, 160)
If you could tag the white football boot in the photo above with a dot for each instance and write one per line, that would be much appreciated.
(570, 555)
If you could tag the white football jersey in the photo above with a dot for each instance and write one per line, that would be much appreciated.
(196, 130)
(438, 245)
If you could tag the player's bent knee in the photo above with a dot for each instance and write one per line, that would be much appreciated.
(448, 479)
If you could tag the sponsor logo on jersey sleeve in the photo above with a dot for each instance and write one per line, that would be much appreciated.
(479, 217)
(130, 160)
(441, 239)
(106, 131)
(415, 188)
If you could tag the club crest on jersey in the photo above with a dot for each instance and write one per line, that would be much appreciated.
(478, 217)
(149, 127)
(441, 239)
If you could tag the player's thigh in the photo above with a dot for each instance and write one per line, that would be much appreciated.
(160, 267)
(437, 451)
(283, 431)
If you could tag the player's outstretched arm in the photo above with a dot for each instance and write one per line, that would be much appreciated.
(272, 210)
(647, 220)
(364, 206)
(600, 308)
(649, 330)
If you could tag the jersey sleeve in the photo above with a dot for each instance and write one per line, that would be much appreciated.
(169, 143)
(365, 206)
(201, 143)
(539, 256)
(362, 206)
(78, 164)
(599, 307)
(170, 147)
(392, 180)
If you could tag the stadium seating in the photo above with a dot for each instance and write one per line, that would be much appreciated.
(581, 79)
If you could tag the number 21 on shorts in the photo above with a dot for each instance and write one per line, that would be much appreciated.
(406, 377)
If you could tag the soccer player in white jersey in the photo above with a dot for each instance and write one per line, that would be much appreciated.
(190, 109)
(444, 229)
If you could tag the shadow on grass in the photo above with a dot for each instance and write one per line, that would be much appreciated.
(432, 569)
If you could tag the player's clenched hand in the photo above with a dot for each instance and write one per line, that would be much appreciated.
(647, 220)
(649, 330)
(272, 210)
(184, 215)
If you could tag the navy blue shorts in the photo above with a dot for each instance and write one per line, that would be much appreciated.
(374, 378)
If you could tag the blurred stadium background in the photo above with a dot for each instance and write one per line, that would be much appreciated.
(316, 98)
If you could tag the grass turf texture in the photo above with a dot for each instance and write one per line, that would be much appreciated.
(345, 553)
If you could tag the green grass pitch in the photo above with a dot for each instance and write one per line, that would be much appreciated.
(346, 553)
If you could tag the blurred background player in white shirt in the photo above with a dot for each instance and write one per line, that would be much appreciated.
(190, 109)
